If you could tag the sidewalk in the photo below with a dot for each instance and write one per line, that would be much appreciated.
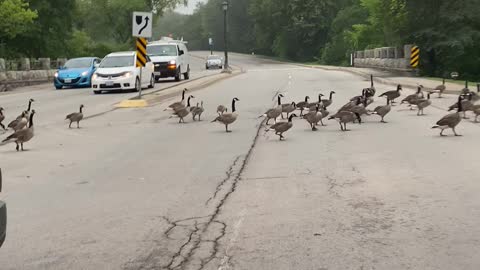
(389, 78)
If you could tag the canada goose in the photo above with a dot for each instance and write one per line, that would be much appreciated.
(312, 117)
(313, 105)
(383, 110)
(221, 109)
(344, 117)
(2, 117)
(282, 127)
(328, 102)
(362, 96)
(370, 91)
(476, 111)
(197, 110)
(302, 104)
(288, 108)
(181, 112)
(228, 118)
(75, 117)
(27, 112)
(274, 113)
(351, 104)
(178, 103)
(22, 136)
(19, 123)
(465, 90)
(359, 110)
(451, 120)
(413, 98)
(441, 88)
(467, 105)
(423, 103)
(392, 95)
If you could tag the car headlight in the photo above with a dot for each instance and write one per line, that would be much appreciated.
(157, 65)
(85, 73)
(56, 74)
(172, 62)
(94, 76)
(128, 74)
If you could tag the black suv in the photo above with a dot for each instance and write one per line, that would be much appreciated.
(3, 216)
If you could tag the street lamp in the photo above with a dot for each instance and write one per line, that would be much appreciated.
(225, 8)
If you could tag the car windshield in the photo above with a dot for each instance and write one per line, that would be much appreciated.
(213, 57)
(78, 63)
(162, 50)
(117, 61)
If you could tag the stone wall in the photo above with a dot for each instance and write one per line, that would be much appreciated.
(390, 58)
(25, 71)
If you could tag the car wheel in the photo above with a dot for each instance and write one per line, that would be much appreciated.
(138, 86)
(177, 77)
(220, 67)
(206, 67)
(186, 75)
(96, 92)
(152, 82)
(58, 87)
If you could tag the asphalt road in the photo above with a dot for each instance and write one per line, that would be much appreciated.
(134, 189)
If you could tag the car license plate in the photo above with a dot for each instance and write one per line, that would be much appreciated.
(109, 83)
(68, 80)
(156, 73)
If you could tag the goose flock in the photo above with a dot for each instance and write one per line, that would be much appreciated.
(22, 125)
(312, 112)
(352, 112)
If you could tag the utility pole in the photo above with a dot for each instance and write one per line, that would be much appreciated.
(225, 8)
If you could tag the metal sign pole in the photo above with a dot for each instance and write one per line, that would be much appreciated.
(140, 92)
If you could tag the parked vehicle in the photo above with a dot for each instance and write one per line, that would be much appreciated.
(3, 216)
(214, 61)
(170, 58)
(118, 71)
(76, 72)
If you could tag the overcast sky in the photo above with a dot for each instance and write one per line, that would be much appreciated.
(189, 9)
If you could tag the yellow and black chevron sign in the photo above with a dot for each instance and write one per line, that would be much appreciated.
(415, 56)
(141, 52)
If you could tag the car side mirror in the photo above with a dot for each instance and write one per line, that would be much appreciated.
(181, 52)
(3, 216)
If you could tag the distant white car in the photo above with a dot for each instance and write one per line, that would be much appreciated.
(214, 61)
(118, 71)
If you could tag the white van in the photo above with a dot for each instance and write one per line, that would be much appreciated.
(170, 59)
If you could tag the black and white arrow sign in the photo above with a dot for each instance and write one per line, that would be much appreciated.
(142, 24)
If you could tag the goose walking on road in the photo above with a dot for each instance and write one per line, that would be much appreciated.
(312, 117)
(344, 117)
(178, 104)
(282, 127)
(383, 110)
(440, 88)
(27, 112)
(182, 112)
(197, 111)
(22, 136)
(413, 98)
(2, 117)
(19, 123)
(274, 113)
(75, 117)
(328, 102)
(423, 103)
(228, 118)
(392, 95)
(302, 105)
(451, 120)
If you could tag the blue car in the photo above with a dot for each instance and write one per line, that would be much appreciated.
(77, 72)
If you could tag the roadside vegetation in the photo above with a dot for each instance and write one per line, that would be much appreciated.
(321, 31)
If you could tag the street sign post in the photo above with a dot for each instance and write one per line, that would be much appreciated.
(141, 60)
(142, 24)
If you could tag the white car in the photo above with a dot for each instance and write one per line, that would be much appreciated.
(214, 61)
(118, 71)
(170, 58)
